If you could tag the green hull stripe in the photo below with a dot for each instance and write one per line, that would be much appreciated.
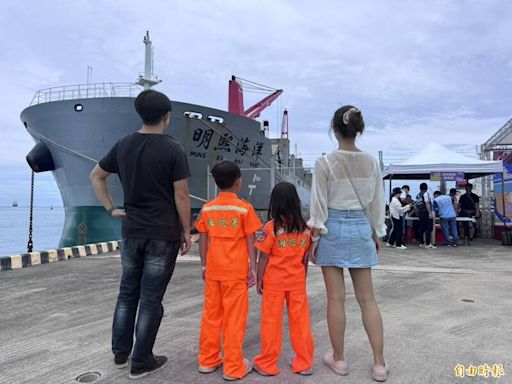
(90, 225)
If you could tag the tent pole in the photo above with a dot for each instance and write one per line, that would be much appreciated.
(503, 198)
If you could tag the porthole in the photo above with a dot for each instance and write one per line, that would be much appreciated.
(79, 107)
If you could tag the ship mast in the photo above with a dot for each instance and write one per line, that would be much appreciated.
(148, 79)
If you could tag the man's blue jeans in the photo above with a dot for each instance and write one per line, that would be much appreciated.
(449, 227)
(147, 269)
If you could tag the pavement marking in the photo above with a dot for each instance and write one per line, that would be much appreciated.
(398, 268)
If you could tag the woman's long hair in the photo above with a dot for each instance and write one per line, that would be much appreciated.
(285, 209)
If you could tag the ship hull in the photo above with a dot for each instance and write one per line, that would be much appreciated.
(77, 137)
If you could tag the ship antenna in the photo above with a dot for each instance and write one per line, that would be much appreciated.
(148, 79)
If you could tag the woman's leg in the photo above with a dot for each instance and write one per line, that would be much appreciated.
(399, 227)
(372, 320)
(392, 233)
(335, 287)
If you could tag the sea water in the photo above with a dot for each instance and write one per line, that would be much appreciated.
(14, 228)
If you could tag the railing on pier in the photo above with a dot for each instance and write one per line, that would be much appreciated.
(85, 91)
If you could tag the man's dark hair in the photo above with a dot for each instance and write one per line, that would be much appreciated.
(469, 185)
(406, 186)
(423, 187)
(285, 209)
(453, 191)
(348, 121)
(152, 106)
(225, 174)
(437, 193)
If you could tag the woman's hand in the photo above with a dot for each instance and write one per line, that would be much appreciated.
(376, 240)
(311, 253)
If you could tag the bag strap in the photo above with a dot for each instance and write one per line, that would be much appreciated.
(350, 181)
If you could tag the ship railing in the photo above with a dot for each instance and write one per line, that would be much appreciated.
(85, 91)
(296, 175)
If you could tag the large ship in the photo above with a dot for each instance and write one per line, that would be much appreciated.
(75, 126)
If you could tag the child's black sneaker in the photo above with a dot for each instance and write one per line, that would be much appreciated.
(158, 363)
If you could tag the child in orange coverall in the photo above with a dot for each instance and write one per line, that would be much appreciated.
(281, 276)
(227, 227)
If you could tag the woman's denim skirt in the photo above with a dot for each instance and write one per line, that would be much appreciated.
(348, 242)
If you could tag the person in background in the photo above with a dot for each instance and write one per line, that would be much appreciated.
(405, 198)
(396, 211)
(424, 207)
(404, 194)
(227, 227)
(347, 210)
(153, 171)
(469, 206)
(443, 205)
(453, 196)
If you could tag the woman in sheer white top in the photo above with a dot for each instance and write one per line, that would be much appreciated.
(347, 217)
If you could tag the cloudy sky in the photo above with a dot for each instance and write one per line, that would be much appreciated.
(418, 70)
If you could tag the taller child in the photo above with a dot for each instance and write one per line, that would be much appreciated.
(227, 227)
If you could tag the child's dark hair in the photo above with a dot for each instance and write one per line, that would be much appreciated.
(225, 174)
(423, 187)
(348, 121)
(285, 209)
(152, 106)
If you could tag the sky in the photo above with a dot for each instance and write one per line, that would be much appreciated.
(419, 71)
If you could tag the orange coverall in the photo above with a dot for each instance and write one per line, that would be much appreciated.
(284, 279)
(227, 220)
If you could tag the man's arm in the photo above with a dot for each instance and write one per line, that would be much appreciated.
(203, 250)
(251, 279)
(428, 206)
(478, 214)
(98, 178)
(182, 200)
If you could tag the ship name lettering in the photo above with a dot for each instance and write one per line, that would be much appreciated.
(219, 158)
(223, 144)
(203, 137)
(239, 160)
(242, 146)
(200, 155)
(254, 164)
(258, 147)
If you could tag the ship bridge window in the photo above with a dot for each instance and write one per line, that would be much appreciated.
(216, 119)
(79, 107)
(193, 115)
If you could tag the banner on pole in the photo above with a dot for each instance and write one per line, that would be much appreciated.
(447, 176)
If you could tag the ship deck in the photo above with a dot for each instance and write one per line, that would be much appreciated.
(56, 320)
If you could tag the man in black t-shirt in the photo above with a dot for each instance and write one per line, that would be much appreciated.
(469, 206)
(153, 171)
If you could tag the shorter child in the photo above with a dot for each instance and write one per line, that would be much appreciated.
(282, 276)
(227, 227)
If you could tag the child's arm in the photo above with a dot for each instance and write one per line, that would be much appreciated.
(262, 265)
(203, 250)
(251, 277)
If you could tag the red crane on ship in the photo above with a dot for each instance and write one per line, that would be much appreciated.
(236, 97)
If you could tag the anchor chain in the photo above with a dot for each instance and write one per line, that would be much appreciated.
(30, 244)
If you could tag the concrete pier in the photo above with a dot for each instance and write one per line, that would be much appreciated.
(441, 308)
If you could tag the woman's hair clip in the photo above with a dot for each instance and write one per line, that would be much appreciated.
(346, 115)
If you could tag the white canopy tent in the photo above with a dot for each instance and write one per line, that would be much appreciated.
(437, 158)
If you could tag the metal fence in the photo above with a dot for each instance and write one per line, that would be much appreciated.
(85, 91)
